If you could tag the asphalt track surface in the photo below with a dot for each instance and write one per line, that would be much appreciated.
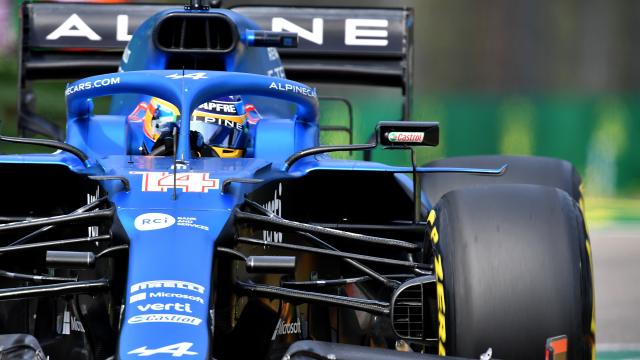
(616, 263)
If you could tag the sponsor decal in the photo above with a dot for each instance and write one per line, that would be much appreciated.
(122, 28)
(316, 34)
(176, 350)
(161, 294)
(193, 76)
(355, 35)
(285, 329)
(162, 307)
(153, 290)
(218, 121)
(191, 222)
(220, 106)
(277, 71)
(352, 32)
(87, 85)
(137, 297)
(273, 54)
(357, 32)
(179, 166)
(93, 230)
(405, 136)
(170, 284)
(74, 26)
(303, 90)
(437, 265)
(275, 206)
(66, 323)
(170, 318)
(154, 181)
(153, 221)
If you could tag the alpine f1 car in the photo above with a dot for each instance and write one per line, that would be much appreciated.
(230, 233)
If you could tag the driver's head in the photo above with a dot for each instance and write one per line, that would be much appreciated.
(221, 123)
(217, 126)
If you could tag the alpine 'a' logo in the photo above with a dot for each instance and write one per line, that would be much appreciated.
(284, 329)
(176, 350)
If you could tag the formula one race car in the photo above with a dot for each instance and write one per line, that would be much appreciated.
(230, 233)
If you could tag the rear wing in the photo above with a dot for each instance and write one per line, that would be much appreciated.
(341, 46)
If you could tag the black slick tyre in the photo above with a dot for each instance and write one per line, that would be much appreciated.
(513, 269)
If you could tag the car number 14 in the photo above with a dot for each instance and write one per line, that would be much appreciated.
(187, 182)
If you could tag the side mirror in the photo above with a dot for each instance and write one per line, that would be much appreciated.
(408, 133)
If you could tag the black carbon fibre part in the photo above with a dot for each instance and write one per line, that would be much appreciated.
(346, 255)
(370, 306)
(80, 287)
(293, 225)
(107, 213)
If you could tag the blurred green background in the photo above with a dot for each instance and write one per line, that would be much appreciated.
(550, 78)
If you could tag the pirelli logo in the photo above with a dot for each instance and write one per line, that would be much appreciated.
(437, 265)
(167, 284)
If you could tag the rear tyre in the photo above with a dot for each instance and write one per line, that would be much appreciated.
(513, 268)
(521, 170)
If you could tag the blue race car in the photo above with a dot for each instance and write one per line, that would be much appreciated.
(200, 217)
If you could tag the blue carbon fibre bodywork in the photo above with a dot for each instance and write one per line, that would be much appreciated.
(169, 275)
(169, 282)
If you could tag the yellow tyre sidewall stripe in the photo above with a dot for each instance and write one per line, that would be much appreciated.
(434, 236)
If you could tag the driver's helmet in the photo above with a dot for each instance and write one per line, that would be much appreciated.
(221, 123)
(217, 126)
(160, 118)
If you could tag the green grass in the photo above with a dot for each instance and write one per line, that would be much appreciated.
(601, 212)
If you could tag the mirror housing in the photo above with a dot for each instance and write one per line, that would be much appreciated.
(408, 133)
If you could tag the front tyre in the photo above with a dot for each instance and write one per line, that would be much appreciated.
(513, 268)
